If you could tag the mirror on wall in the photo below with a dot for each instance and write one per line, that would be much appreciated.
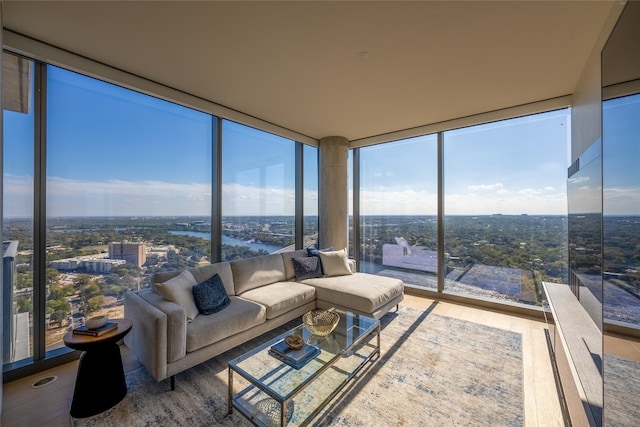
(621, 219)
(584, 196)
(582, 322)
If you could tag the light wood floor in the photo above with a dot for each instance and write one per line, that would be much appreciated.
(23, 405)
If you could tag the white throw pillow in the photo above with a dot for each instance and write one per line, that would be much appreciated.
(334, 263)
(179, 290)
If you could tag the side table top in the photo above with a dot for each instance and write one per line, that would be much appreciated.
(84, 342)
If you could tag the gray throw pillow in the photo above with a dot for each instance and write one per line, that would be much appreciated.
(307, 267)
(210, 295)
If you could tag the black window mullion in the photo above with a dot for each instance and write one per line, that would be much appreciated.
(441, 260)
(216, 190)
(39, 213)
(299, 196)
(355, 218)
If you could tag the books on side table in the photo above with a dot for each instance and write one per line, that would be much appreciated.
(294, 358)
(107, 327)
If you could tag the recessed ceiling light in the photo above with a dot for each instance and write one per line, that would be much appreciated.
(363, 55)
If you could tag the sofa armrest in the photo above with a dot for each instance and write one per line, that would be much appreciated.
(352, 265)
(159, 332)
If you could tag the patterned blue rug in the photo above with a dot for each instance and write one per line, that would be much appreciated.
(621, 391)
(434, 371)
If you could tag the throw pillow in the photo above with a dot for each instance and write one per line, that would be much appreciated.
(178, 291)
(311, 251)
(210, 296)
(314, 251)
(307, 267)
(334, 263)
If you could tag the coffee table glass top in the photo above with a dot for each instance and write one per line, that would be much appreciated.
(282, 381)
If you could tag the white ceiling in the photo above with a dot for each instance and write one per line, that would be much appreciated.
(296, 63)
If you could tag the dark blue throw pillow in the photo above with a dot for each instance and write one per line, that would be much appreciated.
(307, 267)
(314, 251)
(210, 296)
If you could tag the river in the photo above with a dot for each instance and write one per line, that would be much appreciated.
(226, 240)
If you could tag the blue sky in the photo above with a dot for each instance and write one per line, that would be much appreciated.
(112, 151)
(621, 127)
(509, 167)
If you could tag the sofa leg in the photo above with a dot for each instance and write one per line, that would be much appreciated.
(397, 307)
(173, 382)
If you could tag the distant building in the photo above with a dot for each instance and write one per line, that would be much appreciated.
(403, 255)
(90, 264)
(133, 253)
(101, 265)
(9, 249)
(68, 264)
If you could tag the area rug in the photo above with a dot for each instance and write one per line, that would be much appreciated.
(434, 371)
(621, 391)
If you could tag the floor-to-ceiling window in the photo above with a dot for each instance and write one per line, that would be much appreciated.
(17, 193)
(505, 207)
(104, 186)
(310, 196)
(398, 210)
(258, 192)
(504, 220)
(128, 184)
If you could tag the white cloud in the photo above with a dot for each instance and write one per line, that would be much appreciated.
(485, 187)
(622, 201)
(66, 197)
(18, 196)
(238, 199)
(578, 179)
(398, 202)
(70, 197)
(116, 197)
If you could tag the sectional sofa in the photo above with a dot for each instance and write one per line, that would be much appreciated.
(264, 292)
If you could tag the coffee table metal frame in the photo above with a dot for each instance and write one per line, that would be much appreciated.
(353, 338)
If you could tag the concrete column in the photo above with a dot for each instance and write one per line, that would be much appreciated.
(333, 194)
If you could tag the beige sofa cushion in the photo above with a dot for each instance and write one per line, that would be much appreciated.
(222, 269)
(254, 272)
(237, 317)
(179, 290)
(281, 297)
(364, 292)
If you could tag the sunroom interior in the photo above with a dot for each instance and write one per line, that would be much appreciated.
(370, 114)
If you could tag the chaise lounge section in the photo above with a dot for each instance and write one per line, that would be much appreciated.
(264, 292)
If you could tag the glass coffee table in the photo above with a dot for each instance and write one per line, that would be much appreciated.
(272, 392)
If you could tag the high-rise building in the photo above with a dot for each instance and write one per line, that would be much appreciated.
(9, 250)
(133, 253)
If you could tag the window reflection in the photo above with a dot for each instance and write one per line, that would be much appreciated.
(622, 209)
(398, 210)
(258, 192)
(310, 155)
(621, 225)
(17, 221)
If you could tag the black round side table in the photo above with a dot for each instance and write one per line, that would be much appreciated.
(100, 380)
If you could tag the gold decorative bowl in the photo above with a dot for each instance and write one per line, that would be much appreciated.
(321, 322)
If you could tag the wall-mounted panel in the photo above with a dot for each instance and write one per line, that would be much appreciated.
(621, 225)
